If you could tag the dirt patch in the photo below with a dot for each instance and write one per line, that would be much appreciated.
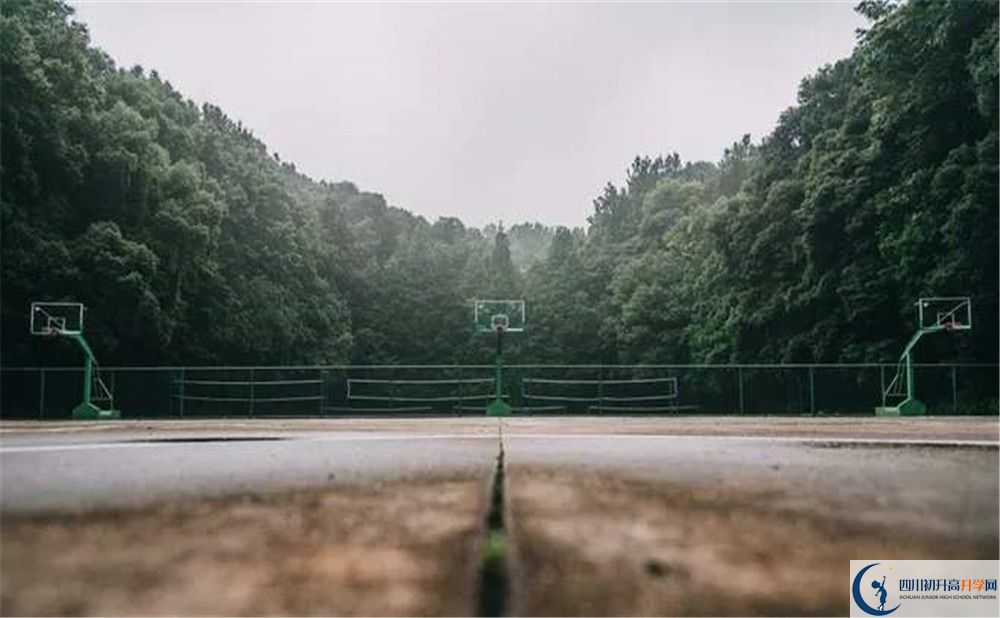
(388, 549)
(638, 548)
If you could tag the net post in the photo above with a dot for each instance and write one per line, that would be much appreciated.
(41, 393)
(321, 375)
(812, 390)
(182, 393)
(521, 391)
(252, 389)
(600, 389)
(739, 380)
(954, 389)
(673, 402)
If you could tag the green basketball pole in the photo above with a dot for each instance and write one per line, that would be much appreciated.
(498, 407)
(951, 320)
(86, 409)
(910, 406)
(499, 317)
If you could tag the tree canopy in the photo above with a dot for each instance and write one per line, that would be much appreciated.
(191, 243)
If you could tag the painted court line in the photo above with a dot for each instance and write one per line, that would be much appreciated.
(386, 437)
(201, 441)
(792, 439)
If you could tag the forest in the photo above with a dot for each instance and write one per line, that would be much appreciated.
(190, 242)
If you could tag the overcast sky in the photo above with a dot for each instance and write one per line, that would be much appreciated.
(483, 111)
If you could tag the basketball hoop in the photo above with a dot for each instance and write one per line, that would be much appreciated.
(51, 332)
(949, 327)
(498, 316)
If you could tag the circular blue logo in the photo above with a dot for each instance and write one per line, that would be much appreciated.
(879, 592)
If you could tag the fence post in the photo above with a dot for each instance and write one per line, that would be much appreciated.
(812, 391)
(322, 389)
(461, 401)
(41, 394)
(954, 389)
(600, 390)
(114, 377)
(739, 380)
(251, 392)
(182, 393)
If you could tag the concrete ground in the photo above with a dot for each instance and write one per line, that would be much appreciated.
(616, 515)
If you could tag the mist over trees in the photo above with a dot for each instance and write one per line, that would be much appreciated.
(190, 243)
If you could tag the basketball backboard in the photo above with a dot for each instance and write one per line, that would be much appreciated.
(945, 313)
(492, 315)
(57, 318)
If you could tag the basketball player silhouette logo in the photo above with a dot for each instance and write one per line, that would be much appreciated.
(882, 594)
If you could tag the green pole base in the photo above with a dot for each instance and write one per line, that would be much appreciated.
(88, 411)
(498, 407)
(910, 407)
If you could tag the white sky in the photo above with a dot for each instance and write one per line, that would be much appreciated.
(519, 112)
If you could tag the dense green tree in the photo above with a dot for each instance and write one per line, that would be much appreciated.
(564, 320)
(502, 280)
(192, 244)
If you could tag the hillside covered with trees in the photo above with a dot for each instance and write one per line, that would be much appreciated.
(191, 243)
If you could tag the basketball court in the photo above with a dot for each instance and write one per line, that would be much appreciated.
(600, 515)
(572, 490)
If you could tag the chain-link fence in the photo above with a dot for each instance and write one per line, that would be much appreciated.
(162, 392)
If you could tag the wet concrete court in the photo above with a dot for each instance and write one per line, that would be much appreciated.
(620, 515)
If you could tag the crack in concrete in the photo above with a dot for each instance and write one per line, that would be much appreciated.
(494, 578)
